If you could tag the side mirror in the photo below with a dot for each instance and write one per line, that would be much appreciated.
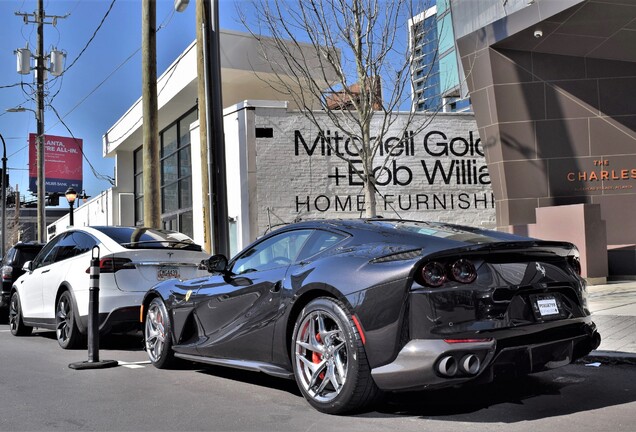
(215, 264)
(27, 266)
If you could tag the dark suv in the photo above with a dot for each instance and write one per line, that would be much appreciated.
(12, 267)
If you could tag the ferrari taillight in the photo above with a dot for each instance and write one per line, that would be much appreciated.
(435, 274)
(463, 271)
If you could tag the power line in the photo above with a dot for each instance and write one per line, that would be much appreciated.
(95, 172)
(163, 25)
(85, 46)
(11, 85)
(173, 69)
(96, 88)
(92, 37)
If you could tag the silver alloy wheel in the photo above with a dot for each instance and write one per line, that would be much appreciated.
(14, 314)
(155, 334)
(63, 319)
(321, 356)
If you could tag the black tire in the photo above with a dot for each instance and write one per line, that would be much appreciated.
(16, 324)
(66, 330)
(329, 360)
(158, 335)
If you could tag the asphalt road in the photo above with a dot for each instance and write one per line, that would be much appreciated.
(38, 391)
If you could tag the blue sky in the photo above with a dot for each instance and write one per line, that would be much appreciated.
(99, 88)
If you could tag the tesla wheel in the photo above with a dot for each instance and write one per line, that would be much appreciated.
(16, 325)
(157, 335)
(329, 360)
(66, 331)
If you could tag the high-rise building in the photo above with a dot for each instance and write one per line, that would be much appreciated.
(436, 77)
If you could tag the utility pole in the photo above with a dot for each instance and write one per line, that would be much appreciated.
(215, 133)
(41, 188)
(40, 68)
(151, 168)
(203, 125)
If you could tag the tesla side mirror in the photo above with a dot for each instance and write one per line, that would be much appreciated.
(27, 266)
(215, 264)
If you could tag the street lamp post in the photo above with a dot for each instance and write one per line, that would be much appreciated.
(71, 195)
(41, 210)
(4, 195)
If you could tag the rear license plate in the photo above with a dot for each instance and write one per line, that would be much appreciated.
(164, 273)
(547, 306)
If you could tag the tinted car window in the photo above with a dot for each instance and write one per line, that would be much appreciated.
(277, 251)
(23, 255)
(73, 244)
(319, 241)
(149, 238)
(47, 255)
(9, 258)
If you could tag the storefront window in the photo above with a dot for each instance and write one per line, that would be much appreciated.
(176, 177)
(139, 186)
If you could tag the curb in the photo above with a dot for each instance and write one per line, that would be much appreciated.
(610, 357)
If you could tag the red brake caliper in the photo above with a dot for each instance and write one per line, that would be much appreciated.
(316, 358)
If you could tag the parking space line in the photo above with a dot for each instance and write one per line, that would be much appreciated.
(134, 365)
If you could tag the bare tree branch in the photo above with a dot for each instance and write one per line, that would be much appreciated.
(336, 52)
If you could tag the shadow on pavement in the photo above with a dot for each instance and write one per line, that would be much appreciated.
(110, 342)
(249, 377)
(555, 393)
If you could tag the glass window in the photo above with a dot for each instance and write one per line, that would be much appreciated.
(47, 255)
(185, 223)
(83, 242)
(320, 241)
(185, 192)
(73, 244)
(184, 128)
(278, 251)
(170, 198)
(139, 185)
(185, 167)
(176, 175)
(169, 168)
(169, 140)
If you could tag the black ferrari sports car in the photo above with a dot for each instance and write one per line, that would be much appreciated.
(351, 308)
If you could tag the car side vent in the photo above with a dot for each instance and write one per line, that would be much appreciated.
(400, 256)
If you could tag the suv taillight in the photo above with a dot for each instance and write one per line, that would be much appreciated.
(7, 272)
(113, 265)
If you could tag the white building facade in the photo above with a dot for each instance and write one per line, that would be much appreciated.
(279, 168)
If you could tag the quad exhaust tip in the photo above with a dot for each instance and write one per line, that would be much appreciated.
(469, 364)
(447, 366)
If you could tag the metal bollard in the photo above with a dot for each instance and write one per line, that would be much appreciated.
(93, 320)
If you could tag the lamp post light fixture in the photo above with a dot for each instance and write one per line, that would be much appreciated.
(18, 109)
(71, 195)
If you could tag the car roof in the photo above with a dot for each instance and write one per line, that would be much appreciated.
(400, 227)
(28, 245)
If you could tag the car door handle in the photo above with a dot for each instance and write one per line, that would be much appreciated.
(46, 271)
(276, 288)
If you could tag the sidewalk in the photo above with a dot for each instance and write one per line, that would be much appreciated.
(613, 308)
